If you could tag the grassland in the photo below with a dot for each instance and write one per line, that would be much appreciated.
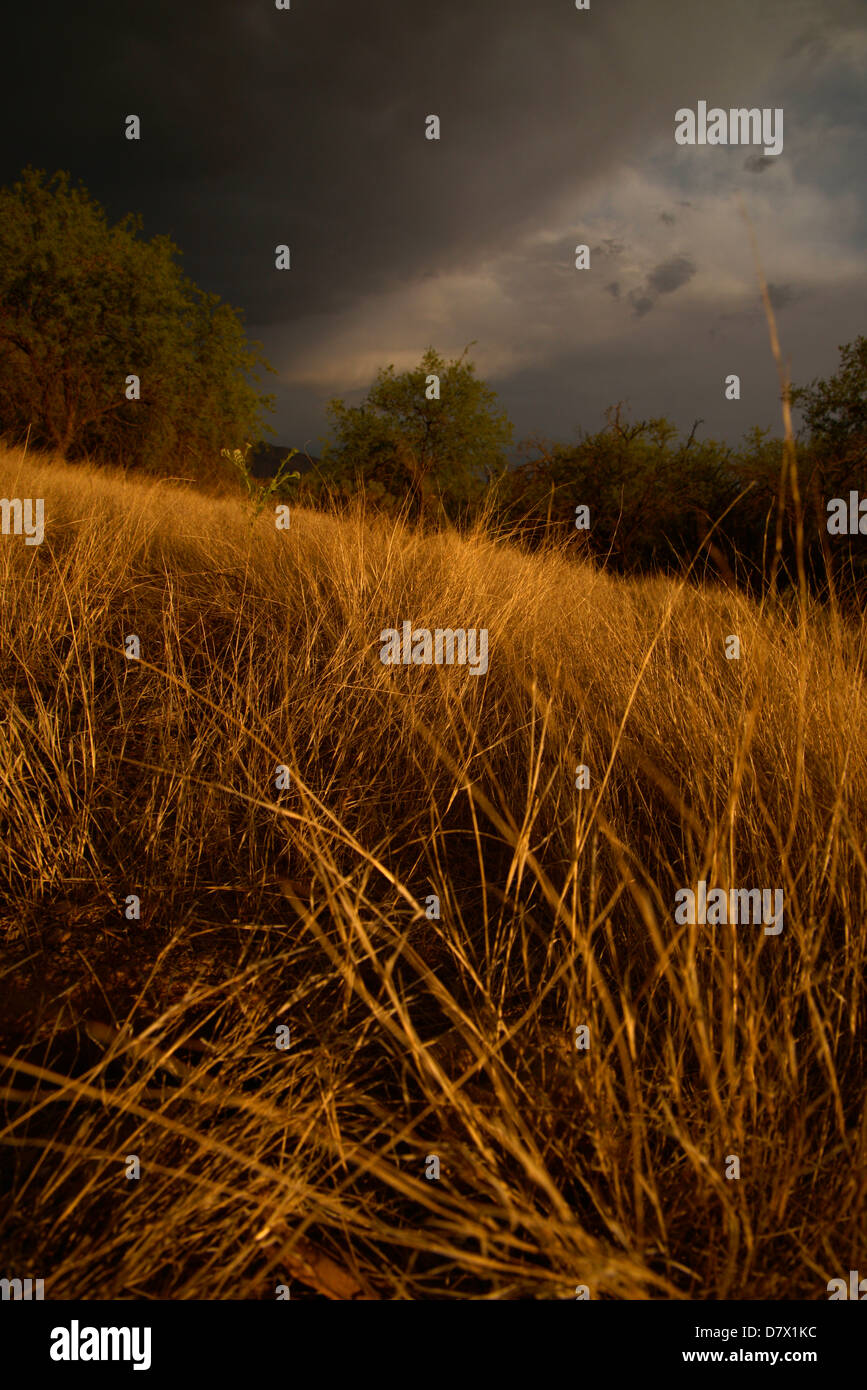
(414, 1036)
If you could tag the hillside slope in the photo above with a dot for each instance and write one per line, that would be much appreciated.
(309, 905)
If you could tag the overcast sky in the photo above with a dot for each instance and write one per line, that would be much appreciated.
(307, 127)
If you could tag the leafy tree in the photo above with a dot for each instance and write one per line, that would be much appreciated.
(399, 442)
(85, 305)
(834, 456)
(835, 411)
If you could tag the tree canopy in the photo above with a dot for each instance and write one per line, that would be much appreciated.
(86, 307)
(431, 433)
(835, 410)
(652, 498)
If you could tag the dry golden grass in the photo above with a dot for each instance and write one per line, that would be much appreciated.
(306, 907)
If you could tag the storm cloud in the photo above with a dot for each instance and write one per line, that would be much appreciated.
(306, 127)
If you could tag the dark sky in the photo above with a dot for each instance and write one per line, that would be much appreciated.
(307, 127)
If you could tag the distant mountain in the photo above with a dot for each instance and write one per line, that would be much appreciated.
(265, 460)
